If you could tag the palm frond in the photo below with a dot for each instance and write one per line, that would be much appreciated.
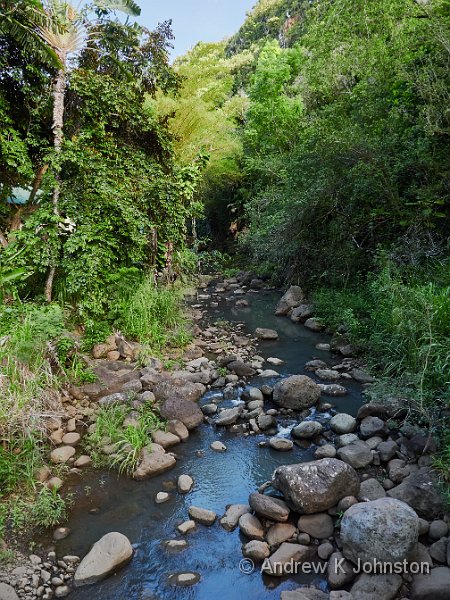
(126, 6)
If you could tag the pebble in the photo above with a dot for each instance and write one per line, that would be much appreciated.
(161, 497)
(218, 447)
(185, 484)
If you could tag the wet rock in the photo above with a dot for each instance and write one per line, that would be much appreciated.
(291, 299)
(266, 422)
(186, 527)
(61, 533)
(314, 365)
(386, 530)
(209, 409)
(328, 374)
(279, 533)
(333, 390)
(297, 392)
(358, 455)
(268, 373)
(371, 489)
(174, 389)
(301, 313)
(307, 430)
(434, 585)
(176, 544)
(107, 555)
(218, 447)
(313, 324)
(316, 486)
(202, 515)
(62, 454)
(161, 497)
(185, 484)
(251, 527)
(281, 560)
(62, 591)
(281, 444)
(343, 423)
(268, 507)
(183, 410)
(241, 368)
(184, 579)
(376, 587)
(153, 463)
(164, 438)
(256, 550)
(361, 376)
(233, 513)
(229, 416)
(421, 491)
(275, 361)
(319, 526)
(266, 334)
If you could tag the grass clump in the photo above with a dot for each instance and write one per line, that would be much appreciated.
(126, 441)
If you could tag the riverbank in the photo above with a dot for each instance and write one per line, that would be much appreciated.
(262, 430)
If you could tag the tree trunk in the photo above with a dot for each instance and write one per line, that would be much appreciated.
(59, 90)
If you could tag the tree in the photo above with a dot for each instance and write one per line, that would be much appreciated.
(66, 31)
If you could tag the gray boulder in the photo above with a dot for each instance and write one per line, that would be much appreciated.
(183, 410)
(357, 454)
(297, 392)
(307, 430)
(291, 299)
(316, 486)
(7, 592)
(421, 491)
(385, 530)
(434, 585)
(376, 587)
(107, 555)
(270, 508)
(266, 334)
(152, 464)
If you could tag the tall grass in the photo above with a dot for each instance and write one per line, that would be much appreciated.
(153, 315)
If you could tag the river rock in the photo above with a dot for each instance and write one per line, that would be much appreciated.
(357, 454)
(281, 444)
(184, 579)
(229, 416)
(279, 533)
(328, 374)
(386, 530)
(266, 422)
(291, 299)
(241, 368)
(333, 389)
(266, 334)
(218, 446)
(233, 513)
(153, 463)
(209, 409)
(434, 585)
(287, 554)
(438, 529)
(107, 555)
(325, 451)
(371, 489)
(316, 486)
(83, 461)
(7, 592)
(343, 423)
(62, 454)
(297, 392)
(304, 593)
(185, 484)
(307, 430)
(174, 389)
(387, 450)
(376, 587)
(361, 376)
(164, 438)
(178, 428)
(319, 526)
(325, 550)
(202, 515)
(256, 550)
(301, 313)
(313, 324)
(183, 410)
(268, 507)
(421, 491)
(371, 426)
(71, 439)
(251, 527)
(186, 527)
(340, 571)
(161, 497)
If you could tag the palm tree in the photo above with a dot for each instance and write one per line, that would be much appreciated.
(66, 30)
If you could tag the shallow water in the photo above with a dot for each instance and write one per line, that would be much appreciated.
(127, 506)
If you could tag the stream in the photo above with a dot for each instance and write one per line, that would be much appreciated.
(108, 502)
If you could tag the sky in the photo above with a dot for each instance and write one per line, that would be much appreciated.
(195, 20)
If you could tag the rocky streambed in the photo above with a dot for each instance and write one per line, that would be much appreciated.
(271, 460)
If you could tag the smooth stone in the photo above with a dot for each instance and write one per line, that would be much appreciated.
(325, 550)
(376, 587)
(307, 430)
(218, 447)
(153, 463)
(71, 439)
(279, 533)
(251, 527)
(371, 489)
(274, 509)
(233, 513)
(62, 454)
(186, 527)
(358, 455)
(82, 461)
(229, 416)
(281, 444)
(343, 423)
(266, 334)
(185, 484)
(107, 555)
(438, 529)
(165, 439)
(161, 497)
(7, 592)
(434, 585)
(326, 451)
(256, 550)
(61, 533)
(202, 515)
(185, 579)
(283, 558)
(319, 526)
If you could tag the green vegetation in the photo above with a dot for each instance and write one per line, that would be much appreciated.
(123, 441)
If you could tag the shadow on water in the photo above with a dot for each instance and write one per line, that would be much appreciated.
(110, 503)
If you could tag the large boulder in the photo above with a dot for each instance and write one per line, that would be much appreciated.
(291, 299)
(297, 392)
(183, 410)
(152, 464)
(316, 486)
(420, 490)
(385, 530)
(175, 389)
(434, 585)
(7, 592)
(106, 556)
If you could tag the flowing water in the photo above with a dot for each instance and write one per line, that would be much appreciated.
(110, 503)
